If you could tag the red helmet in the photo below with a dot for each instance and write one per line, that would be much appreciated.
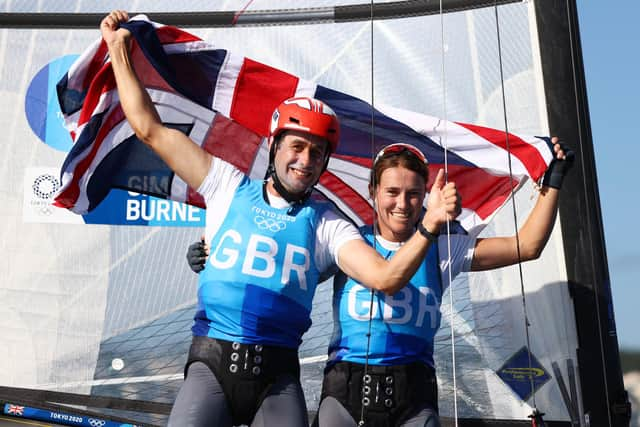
(306, 115)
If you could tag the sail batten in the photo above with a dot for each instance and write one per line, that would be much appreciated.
(299, 15)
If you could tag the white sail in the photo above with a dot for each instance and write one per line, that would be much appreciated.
(106, 309)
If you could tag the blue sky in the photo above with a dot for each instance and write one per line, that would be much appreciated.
(610, 34)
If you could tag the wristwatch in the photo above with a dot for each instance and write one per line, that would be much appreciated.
(432, 237)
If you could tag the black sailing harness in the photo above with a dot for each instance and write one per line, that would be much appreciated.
(386, 395)
(246, 372)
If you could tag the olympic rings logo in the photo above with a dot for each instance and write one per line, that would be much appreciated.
(96, 423)
(46, 210)
(45, 186)
(269, 224)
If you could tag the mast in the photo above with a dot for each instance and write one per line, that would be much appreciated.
(581, 217)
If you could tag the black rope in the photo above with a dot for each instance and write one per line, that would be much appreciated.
(536, 414)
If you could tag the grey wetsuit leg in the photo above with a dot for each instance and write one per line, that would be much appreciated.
(331, 413)
(284, 405)
(200, 401)
(427, 417)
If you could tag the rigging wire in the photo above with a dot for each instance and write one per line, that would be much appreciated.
(535, 414)
(448, 224)
(361, 422)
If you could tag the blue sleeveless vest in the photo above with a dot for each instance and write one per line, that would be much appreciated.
(403, 325)
(260, 276)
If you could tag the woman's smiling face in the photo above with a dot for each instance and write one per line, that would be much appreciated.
(398, 199)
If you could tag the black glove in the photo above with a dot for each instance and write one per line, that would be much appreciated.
(196, 256)
(558, 168)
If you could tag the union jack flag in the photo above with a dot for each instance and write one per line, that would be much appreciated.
(224, 103)
(14, 410)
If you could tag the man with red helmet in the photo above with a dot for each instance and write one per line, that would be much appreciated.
(270, 245)
(306, 117)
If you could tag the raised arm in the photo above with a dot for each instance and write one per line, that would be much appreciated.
(495, 252)
(361, 262)
(184, 157)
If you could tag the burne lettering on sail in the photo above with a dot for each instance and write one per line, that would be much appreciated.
(150, 209)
